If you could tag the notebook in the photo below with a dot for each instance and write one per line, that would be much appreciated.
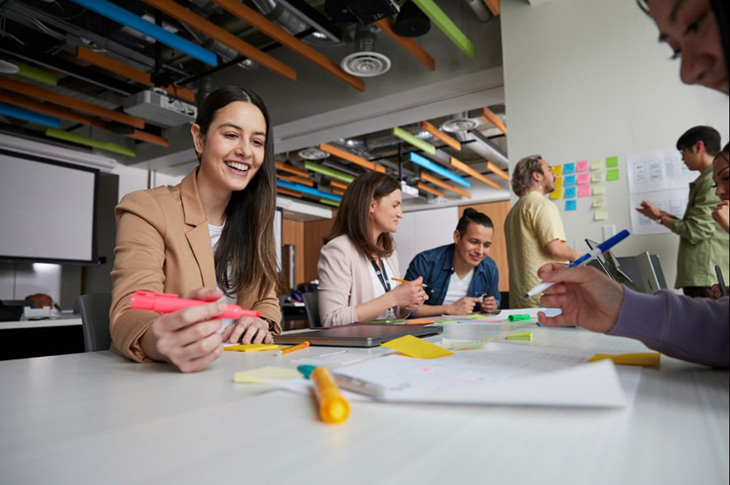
(357, 334)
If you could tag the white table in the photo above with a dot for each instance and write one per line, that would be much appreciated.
(98, 418)
(63, 320)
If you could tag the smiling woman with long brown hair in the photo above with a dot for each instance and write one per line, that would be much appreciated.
(210, 238)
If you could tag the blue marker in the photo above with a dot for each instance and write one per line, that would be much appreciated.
(590, 256)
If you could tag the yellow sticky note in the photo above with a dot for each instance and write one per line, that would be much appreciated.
(600, 214)
(251, 347)
(262, 375)
(520, 336)
(598, 189)
(599, 202)
(647, 359)
(557, 170)
(416, 347)
(556, 194)
(598, 177)
(597, 164)
(558, 182)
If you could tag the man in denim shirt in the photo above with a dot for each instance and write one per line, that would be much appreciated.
(462, 274)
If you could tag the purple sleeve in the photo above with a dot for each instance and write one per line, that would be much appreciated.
(691, 329)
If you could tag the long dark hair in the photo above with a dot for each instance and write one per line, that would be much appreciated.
(247, 242)
(353, 215)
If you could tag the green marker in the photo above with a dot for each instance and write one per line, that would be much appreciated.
(517, 318)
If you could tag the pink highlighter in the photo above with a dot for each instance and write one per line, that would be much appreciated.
(170, 302)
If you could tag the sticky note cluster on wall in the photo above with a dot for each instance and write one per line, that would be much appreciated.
(583, 179)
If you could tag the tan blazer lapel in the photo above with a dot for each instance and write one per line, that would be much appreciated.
(197, 233)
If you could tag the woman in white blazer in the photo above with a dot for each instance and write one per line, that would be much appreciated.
(358, 260)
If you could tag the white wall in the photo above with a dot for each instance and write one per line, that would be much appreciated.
(422, 230)
(587, 79)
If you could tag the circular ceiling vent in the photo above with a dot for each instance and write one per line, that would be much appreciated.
(365, 64)
(313, 154)
(458, 125)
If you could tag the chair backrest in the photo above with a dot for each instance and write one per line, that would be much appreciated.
(311, 305)
(94, 309)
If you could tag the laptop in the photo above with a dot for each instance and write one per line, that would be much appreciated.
(357, 334)
(610, 265)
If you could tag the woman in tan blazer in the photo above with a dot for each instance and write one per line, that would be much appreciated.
(359, 259)
(210, 238)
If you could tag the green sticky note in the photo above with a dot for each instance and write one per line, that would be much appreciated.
(520, 336)
(612, 175)
(612, 162)
(600, 214)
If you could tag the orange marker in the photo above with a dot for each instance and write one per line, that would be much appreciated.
(406, 281)
(333, 407)
(288, 350)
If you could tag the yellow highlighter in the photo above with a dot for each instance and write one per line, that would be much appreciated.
(333, 407)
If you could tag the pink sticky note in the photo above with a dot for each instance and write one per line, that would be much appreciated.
(584, 190)
(582, 166)
(584, 178)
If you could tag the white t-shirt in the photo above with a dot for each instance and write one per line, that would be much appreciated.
(378, 289)
(215, 235)
(458, 287)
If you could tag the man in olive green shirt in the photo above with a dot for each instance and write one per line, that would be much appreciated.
(533, 230)
(703, 243)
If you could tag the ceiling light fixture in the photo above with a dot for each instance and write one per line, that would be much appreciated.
(329, 172)
(89, 142)
(416, 142)
(27, 115)
(307, 190)
(313, 153)
(437, 169)
(449, 28)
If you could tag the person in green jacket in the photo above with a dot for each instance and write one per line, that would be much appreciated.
(703, 243)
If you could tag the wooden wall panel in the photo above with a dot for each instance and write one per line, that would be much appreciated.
(314, 233)
(497, 211)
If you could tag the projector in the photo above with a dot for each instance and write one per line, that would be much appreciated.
(157, 107)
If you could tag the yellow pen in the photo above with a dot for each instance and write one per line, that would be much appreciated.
(333, 407)
(406, 281)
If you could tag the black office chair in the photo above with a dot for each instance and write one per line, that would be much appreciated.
(311, 305)
(94, 309)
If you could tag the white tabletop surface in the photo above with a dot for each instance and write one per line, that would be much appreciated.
(97, 418)
(62, 320)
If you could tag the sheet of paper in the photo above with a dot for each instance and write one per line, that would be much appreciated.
(612, 175)
(417, 348)
(570, 193)
(263, 375)
(658, 170)
(571, 205)
(597, 164)
(583, 178)
(556, 194)
(644, 359)
(598, 202)
(568, 168)
(581, 166)
(569, 180)
(505, 374)
(611, 162)
(600, 214)
(584, 191)
(672, 201)
(557, 169)
(532, 312)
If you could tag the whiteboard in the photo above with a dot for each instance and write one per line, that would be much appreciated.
(46, 210)
(422, 230)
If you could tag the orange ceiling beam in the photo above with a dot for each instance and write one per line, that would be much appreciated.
(292, 170)
(255, 19)
(69, 102)
(339, 185)
(428, 188)
(130, 72)
(67, 114)
(452, 142)
(497, 171)
(293, 193)
(352, 158)
(493, 6)
(210, 29)
(467, 169)
(297, 180)
(495, 120)
(415, 50)
(430, 178)
(338, 191)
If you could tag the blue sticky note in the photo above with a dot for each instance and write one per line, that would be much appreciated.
(570, 192)
(569, 181)
(568, 168)
(571, 205)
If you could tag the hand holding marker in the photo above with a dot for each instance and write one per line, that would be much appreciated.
(589, 256)
(170, 302)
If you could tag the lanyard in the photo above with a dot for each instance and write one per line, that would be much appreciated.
(382, 276)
